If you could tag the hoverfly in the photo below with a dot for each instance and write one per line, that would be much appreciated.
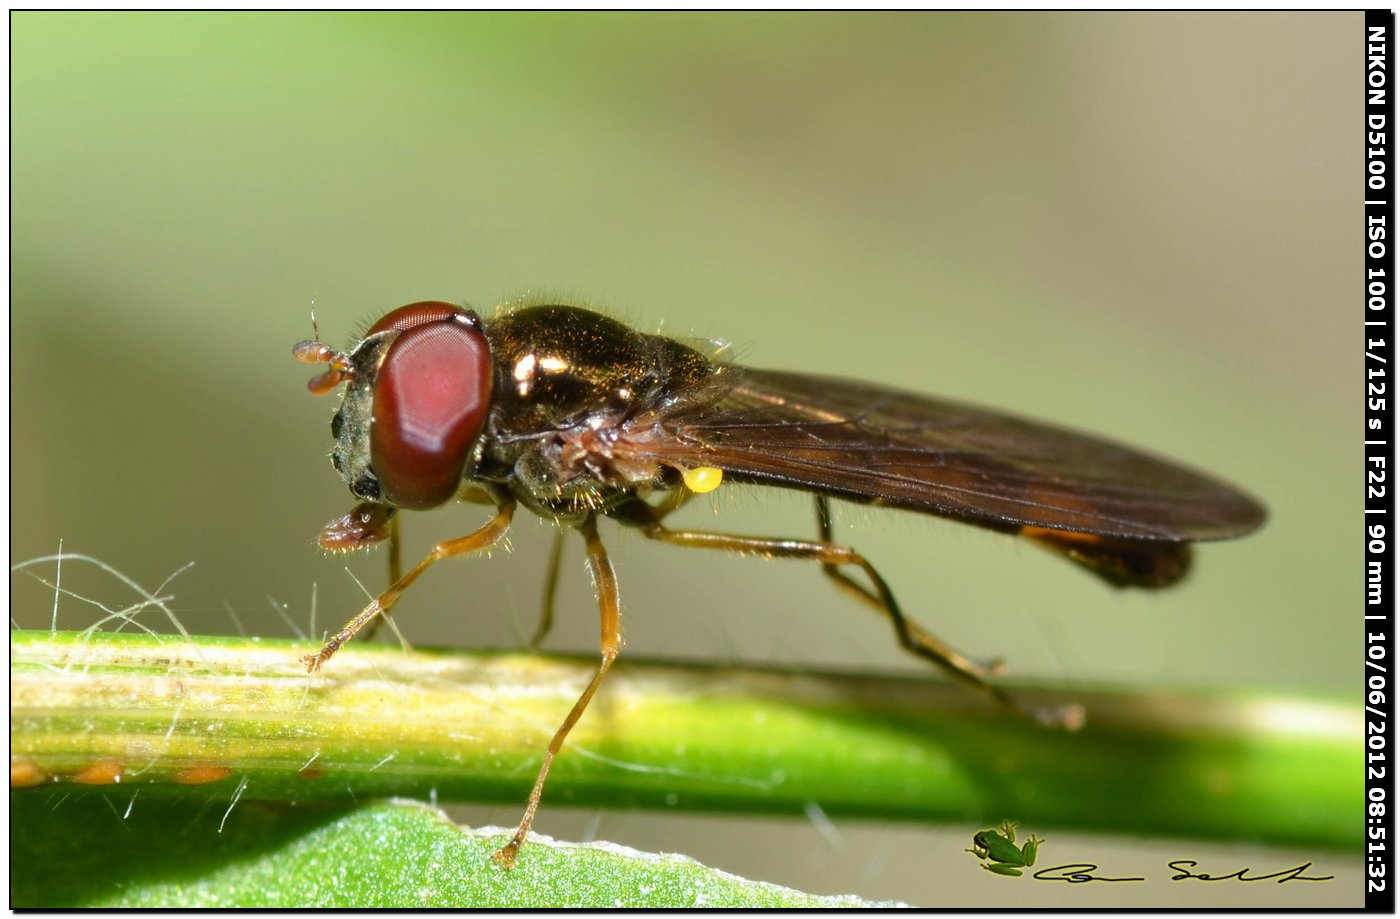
(576, 416)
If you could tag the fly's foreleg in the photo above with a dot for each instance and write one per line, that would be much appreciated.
(483, 538)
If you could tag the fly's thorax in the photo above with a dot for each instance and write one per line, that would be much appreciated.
(557, 366)
(570, 388)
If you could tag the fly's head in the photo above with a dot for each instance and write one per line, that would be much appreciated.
(417, 399)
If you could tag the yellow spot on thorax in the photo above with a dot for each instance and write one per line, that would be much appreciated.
(703, 479)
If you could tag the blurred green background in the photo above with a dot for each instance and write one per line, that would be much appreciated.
(1144, 225)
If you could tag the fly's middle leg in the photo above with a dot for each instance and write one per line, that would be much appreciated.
(610, 643)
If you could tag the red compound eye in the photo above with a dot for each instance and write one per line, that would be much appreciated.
(415, 314)
(431, 397)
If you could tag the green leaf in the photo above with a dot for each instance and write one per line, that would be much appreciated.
(401, 855)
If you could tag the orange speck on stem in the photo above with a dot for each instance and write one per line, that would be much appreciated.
(24, 774)
(202, 775)
(102, 772)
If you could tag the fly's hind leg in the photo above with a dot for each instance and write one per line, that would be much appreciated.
(983, 668)
(833, 557)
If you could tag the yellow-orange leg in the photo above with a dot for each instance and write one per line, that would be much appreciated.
(551, 584)
(673, 501)
(483, 538)
(395, 572)
(395, 555)
(609, 605)
(832, 556)
(981, 667)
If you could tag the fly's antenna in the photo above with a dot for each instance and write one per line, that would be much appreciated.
(315, 351)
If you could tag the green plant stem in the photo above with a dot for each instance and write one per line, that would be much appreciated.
(112, 711)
